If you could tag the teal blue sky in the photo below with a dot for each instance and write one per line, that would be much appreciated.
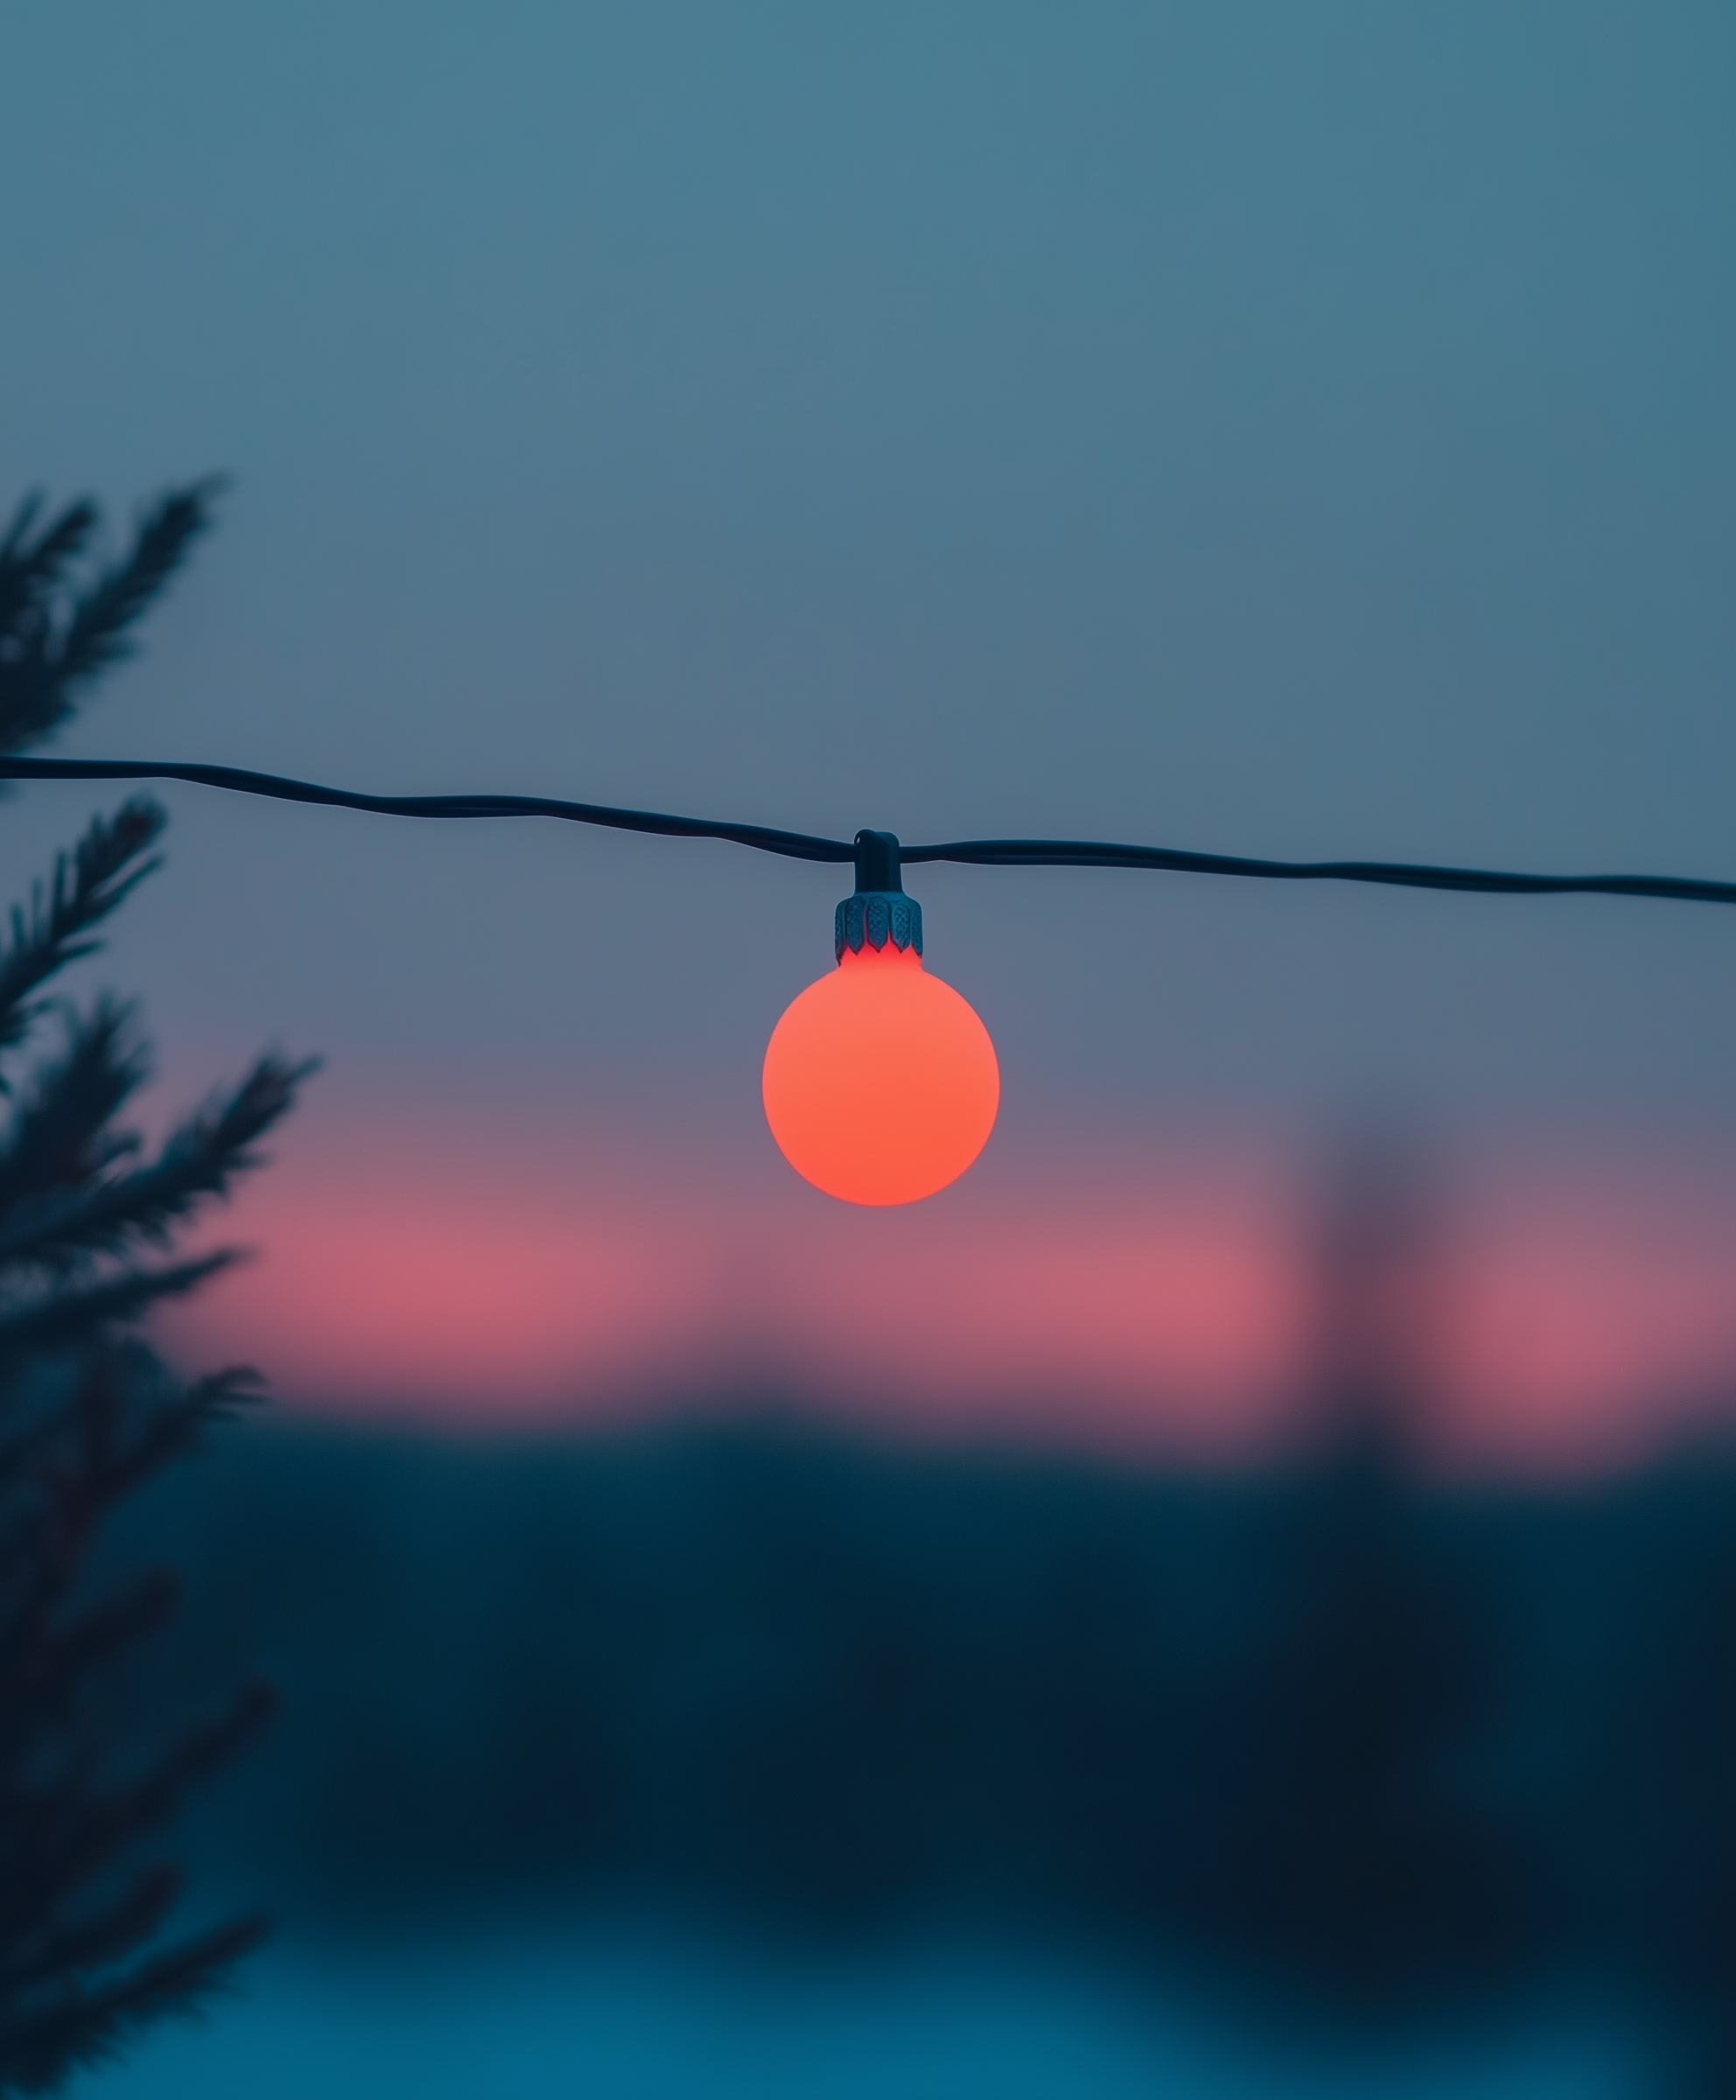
(1249, 427)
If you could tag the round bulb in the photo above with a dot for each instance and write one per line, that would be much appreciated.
(880, 1083)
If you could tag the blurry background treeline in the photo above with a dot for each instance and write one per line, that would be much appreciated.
(1371, 1746)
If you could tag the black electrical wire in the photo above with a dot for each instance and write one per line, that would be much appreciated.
(1083, 853)
(799, 845)
(796, 844)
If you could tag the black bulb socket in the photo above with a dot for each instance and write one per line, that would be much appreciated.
(879, 911)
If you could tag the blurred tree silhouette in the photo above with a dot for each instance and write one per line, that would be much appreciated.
(1346, 1841)
(1346, 1846)
(87, 1411)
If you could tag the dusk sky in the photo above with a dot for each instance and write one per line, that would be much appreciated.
(1261, 429)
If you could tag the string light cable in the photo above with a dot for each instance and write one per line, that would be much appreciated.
(881, 1082)
(799, 845)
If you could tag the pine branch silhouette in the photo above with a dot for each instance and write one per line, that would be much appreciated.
(82, 2025)
(57, 636)
(86, 886)
(65, 1223)
(89, 1414)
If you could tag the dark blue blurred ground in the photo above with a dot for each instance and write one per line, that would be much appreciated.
(743, 1760)
(537, 2018)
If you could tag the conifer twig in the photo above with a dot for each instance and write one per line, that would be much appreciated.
(83, 2027)
(61, 1316)
(106, 866)
(77, 1220)
(55, 639)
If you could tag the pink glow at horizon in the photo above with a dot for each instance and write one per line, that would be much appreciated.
(1152, 1300)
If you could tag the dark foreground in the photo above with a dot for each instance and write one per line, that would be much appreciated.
(1373, 1760)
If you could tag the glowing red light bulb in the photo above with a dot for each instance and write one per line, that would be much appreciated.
(881, 1082)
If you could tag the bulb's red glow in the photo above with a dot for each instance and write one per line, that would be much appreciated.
(881, 1082)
